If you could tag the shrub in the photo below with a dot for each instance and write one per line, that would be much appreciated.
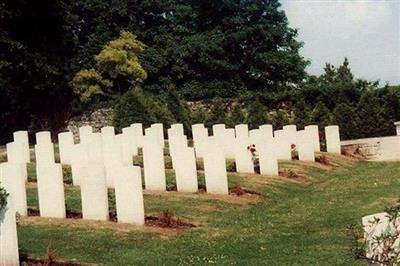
(257, 114)
(179, 109)
(137, 107)
(3, 198)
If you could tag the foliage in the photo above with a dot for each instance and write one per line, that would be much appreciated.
(200, 116)
(257, 114)
(320, 115)
(179, 109)
(279, 118)
(203, 48)
(345, 116)
(117, 70)
(380, 248)
(37, 42)
(3, 198)
(370, 113)
(301, 114)
(236, 116)
(218, 112)
(135, 106)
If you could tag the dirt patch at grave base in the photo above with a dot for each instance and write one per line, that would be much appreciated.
(44, 262)
(292, 176)
(233, 199)
(164, 223)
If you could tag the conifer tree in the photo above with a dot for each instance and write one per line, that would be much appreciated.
(257, 114)
(345, 116)
(301, 114)
(237, 116)
(320, 115)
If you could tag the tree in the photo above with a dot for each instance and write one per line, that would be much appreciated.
(179, 109)
(257, 115)
(279, 119)
(320, 115)
(345, 116)
(218, 112)
(204, 48)
(236, 116)
(117, 70)
(36, 44)
(301, 114)
(137, 107)
(371, 117)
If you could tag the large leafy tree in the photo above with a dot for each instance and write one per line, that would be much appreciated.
(36, 42)
(204, 48)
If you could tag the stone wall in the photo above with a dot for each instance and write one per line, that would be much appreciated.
(97, 119)
(374, 149)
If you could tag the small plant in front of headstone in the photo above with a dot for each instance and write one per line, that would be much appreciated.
(379, 241)
(295, 153)
(254, 157)
(322, 159)
(3, 198)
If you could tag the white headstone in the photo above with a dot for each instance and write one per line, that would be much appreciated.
(215, 168)
(242, 131)
(267, 157)
(50, 190)
(185, 170)
(9, 255)
(108, 141)
(129, 136)
(138, 128)
(332, 139)
(23, 138)
(200, 135)
(243, 156)
(178, 128)
(44, 153)
(284, 150)
(267, 131)
(290, 133)
(43, 137)
(158, 130)
(107, 134)
(176, 141)
(79, 161)
(84, 133)
(16, 155)
(129, 196)
(94, 193)
(65, 145)
(153, 162)
(314, 133)
(305, 146)
(13, 180)
(126, 149)
(226, 141)
(114, 164)
(94, 148)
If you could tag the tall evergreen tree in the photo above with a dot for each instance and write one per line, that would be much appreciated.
(370, 112)
(179, 109)
(257, 114)
(301, 114)
(345, 116)
(320, 115)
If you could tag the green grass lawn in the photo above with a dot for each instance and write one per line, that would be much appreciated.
(290, 223)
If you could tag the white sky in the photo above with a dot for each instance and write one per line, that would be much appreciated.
(367, 32)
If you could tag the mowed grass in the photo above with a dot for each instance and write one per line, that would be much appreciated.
(297, 221)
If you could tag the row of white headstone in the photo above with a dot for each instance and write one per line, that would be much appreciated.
(104, 160)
